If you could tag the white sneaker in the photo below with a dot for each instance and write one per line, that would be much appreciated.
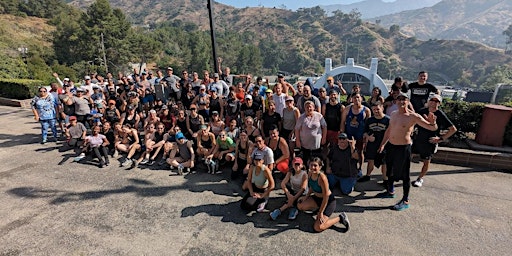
(418, 183)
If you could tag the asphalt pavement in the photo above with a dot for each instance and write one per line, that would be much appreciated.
(52, 206)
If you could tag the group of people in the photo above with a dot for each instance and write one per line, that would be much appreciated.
(260, 131)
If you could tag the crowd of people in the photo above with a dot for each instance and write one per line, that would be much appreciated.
(311, 140)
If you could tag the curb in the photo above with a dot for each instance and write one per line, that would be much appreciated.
(466, 157)
(15, 103)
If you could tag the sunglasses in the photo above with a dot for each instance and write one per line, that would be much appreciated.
(192, 109)
(42, 91)
(435, 101)
(296, 164)
(259, 141)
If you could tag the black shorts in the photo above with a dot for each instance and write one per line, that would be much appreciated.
(425, 149)
(331, 204)
(398, 161)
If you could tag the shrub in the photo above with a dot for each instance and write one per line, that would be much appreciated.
(19, 89)
(467, 117)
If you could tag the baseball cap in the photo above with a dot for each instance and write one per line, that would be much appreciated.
(80, 89)
(111, 102)
(169, 68)
(403, 95)
(258, 156)
(268, 91)
(297, 160)
(248, 96)
(280, 76)
(215, 112)
(213, 89)
(180, 135)
(330, 78)
(164, 106)
(72, 118)
(289, 98)
(66, 79)
(437, 96)
(203, 126)
(216, 75)
(87, 78)
(342, 136)
(152, 111)
(202, 87)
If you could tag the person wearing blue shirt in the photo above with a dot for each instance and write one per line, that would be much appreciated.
(45, 108)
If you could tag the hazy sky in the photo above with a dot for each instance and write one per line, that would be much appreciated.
(290, 4)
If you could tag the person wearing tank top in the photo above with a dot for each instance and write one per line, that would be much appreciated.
(332, 112)
(194, 121)
(243, 150)
(206, 143)
(280, 148)
(259, 183)
(320, 197)
(154, 143)
(352, 123)
(294, 185)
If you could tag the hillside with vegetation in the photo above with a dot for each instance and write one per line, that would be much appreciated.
(250, 40)
(473, 20)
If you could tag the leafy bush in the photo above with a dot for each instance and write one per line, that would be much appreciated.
(19, 89)
(467, 117)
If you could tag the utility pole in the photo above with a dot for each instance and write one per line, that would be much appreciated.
(104, 54)
(346, 49)
(212, 34)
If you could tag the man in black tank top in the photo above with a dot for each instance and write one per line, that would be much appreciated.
(332, 114)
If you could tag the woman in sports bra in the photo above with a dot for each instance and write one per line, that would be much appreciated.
(294, 185)
(244, 149)
(259, 183)
(320, 197)
(251, 130)
(280, 148)
(216, 124)
(205, 144)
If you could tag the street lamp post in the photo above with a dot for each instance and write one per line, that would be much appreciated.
(212, 34)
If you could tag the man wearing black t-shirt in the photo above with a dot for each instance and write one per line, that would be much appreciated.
(420, 91)
(425, 143)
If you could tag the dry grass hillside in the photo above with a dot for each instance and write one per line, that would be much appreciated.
(30, 32)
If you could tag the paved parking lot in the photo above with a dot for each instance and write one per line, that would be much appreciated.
(51, 206)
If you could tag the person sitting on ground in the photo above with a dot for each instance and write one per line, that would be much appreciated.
(151, 119)
(294, 185)
(259, 183)
(106, 130)
(170, 143)
(182, 155)
(75, 134)
(320, 197)
(244, 149)
(154, 143)
(280, 148)
(128, 142)
(342, 164)
(98, 143)
(261, 148)
(224, 150)
(205, 145)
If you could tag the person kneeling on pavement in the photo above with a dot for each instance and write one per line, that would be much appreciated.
(224, 150)
(182, 156)
(342, 164)
(75, 134)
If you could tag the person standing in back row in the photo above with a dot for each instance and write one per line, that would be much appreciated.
(420, 91)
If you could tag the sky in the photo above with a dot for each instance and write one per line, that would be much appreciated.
(290, 4)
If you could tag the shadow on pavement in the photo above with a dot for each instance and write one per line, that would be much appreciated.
(9, 140)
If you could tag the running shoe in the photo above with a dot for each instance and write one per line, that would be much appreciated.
(275, 213)
(79, 157)
(402, 205)
(127, 162)
(344, 220)
(417, 183)
(180, 169)
(151, 162)
(144, 161)
(261, 207)
(293, 213)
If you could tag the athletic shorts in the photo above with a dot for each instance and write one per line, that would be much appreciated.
(331, 204)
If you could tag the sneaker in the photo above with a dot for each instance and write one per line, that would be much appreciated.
(162, 162)
(127, 162)
(180, 169)
(208, 166)
(79, 157)
(274, 214)
(293, 213)
(261, 207)
(344, 220)
(364, 179)
(144, 161)
(43, 142)
(151, 162)
(101, 165)
(135, 164)
(116, 154)
(385, 194)
(213, 166)
(417, 183)
(402, 205)
(187, 169)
